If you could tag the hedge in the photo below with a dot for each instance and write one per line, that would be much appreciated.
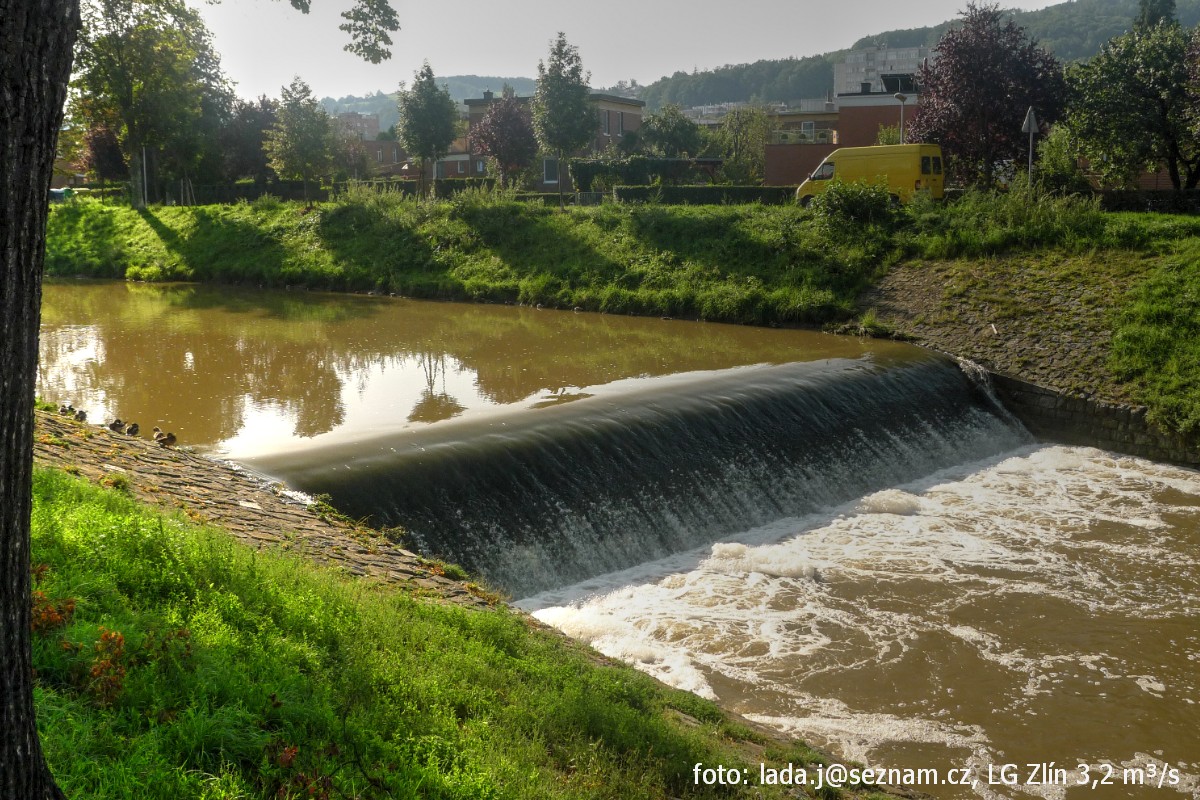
(705, 195)
(1168, 201)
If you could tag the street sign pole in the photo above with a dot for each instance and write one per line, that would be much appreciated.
(1030, 127)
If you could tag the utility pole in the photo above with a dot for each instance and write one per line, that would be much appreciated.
(902, 98)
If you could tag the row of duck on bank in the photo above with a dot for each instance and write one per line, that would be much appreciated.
(164, 439)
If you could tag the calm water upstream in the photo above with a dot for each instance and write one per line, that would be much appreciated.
(846, 540)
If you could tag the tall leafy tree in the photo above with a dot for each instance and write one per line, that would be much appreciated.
(37, 39)
(563, 117)
(1133, 107)
(1152, 12)
(428, 119)
(101, 155)
(147, 70)
(975, 94)
(742, 142)
(671, 133)
(243, 138)
(505, 135)
(299, 145)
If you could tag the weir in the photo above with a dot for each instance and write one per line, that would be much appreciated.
(532, 499)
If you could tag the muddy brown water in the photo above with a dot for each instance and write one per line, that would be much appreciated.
(1038, 605)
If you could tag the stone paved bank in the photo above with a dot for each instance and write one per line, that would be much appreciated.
(210, 492)
(1045, 342)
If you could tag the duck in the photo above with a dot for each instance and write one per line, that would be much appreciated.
(116, 425)
(81, 416)
(67, 410)
(167, 440)
(158, 434)
(132, 430)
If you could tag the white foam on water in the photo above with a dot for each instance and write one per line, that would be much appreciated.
(796, 622)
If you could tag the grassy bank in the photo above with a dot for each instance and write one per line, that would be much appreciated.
(174, 662)
(748, 264)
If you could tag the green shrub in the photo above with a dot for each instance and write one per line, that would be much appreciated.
(854, 203)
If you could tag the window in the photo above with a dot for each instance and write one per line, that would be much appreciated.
(379, 153)
(807, 128)
(926, 165)
(439, 170)
(395, 153)
(479, 165)
(824, 172)
(620, 122)
(606, 121)
(550, 170)
(461, 168)
(937, 165)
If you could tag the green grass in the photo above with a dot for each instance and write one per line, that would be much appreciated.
(749, 264)
(1156, 345)
(188, 665)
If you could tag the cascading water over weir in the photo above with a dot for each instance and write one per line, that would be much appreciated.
(537, 498)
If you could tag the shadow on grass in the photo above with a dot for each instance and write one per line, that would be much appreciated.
(220, 248)
(384, 254)
(715, 240)
(81, 240)
(541, 249)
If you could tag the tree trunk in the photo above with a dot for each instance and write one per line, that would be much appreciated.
(36, 38)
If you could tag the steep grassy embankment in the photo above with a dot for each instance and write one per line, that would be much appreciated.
(1079, 299)
(173, 661)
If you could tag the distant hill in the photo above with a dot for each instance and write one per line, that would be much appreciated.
(1071, 30)
(461, 87)
(781, 80)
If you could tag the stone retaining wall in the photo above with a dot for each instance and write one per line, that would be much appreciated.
(1072, 419)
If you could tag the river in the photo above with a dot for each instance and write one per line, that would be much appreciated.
(846, 540)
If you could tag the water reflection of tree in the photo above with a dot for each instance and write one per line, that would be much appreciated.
(434, 405)
(194, 369)
(195, 357)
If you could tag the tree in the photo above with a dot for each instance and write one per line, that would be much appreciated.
(298, 145)
(1152, 12)
(148, 71)
(975, 94)
(505, 135)
(37, 39)
(101, 155)
(563, 117)
(670, 133)
(428, 119)
(1133, 108)
(243, 139)
(742, 141)
(1058, 169)
(888, 134)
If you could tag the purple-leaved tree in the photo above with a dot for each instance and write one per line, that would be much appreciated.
(505, 134)
(975, 94)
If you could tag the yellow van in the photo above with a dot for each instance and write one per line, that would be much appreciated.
(903, 168)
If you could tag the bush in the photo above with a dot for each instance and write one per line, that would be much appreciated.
(856, 203)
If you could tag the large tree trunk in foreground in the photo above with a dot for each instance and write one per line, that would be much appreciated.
(36, 38)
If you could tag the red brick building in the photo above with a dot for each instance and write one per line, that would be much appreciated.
(855, 122)
(615, 116)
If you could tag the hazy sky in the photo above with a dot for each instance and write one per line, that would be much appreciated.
(264, 43)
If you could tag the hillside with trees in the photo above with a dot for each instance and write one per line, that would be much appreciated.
(460, 87)
(1071, 31)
